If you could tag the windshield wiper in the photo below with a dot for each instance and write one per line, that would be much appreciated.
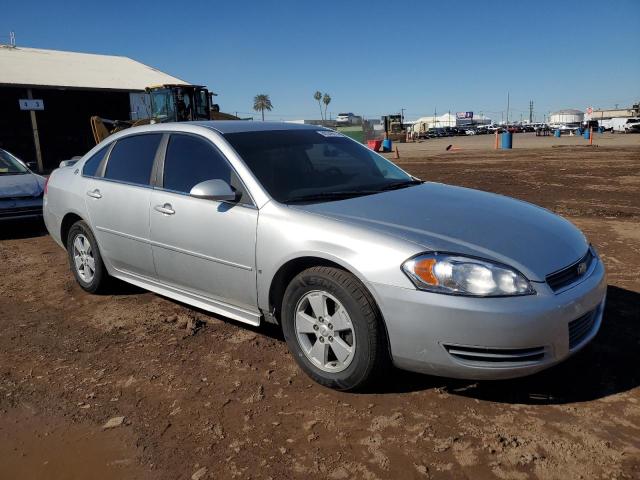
(400, 184)
(330, 195)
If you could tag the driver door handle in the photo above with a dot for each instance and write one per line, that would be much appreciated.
(166, 209)
(94, 193)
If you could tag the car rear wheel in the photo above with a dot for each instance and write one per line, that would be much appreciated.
(85, 259)
(333, 328)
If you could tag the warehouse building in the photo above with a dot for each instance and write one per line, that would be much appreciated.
(47, 98)
(609, 113)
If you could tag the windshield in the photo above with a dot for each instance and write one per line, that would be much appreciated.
(163, 106)
(315, 165)
(10, 165)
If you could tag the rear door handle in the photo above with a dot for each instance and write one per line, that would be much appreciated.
(167, 209)
(94, 193)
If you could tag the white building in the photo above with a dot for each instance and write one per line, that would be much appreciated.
(564, 117)
(447, 120)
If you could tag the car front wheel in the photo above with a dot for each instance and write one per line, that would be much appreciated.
(85, 259)
(333, 328)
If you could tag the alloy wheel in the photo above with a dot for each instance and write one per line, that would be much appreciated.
(83, 258)
(324, 331)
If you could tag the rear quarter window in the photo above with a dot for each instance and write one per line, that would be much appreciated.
(91, 166)
(131, 159)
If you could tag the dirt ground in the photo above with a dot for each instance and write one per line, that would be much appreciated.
(204, 397)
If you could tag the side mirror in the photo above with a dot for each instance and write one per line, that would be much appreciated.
(214, 190)
(67, 163)
(32, 165)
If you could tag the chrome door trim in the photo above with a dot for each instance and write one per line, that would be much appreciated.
(176, 249)
(200, 255)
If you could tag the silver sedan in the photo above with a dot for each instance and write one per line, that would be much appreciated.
(361, 264)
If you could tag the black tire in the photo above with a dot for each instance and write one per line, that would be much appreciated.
(370, 358)
(100, 278)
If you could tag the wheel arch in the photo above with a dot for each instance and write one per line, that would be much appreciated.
(293, 267)
(67, 222)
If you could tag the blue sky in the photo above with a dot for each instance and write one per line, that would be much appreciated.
(373, 57)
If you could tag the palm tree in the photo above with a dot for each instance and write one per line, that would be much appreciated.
(262, 102)
(326, 99)
(318, 97)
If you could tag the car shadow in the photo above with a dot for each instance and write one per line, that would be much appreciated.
(19, 229)
(607, 366)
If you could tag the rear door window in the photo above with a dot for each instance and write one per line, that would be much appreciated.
(131, 159)
(190, 160)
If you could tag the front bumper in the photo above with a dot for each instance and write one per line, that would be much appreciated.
(20, 208)
(491, 338)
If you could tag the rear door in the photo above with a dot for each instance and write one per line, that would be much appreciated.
(204, 247)
(118, 204)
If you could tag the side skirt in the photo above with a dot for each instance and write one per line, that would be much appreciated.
(208, 304)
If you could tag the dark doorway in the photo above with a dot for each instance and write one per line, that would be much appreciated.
(63, 125)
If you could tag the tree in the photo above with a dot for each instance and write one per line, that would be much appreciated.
(262, 102)
(326, 99)
(318, 98)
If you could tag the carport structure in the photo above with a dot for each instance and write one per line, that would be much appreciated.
(72, 87)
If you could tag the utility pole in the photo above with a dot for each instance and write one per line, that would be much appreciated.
(507, 108)
(402, 115)
(530, 111)
(36, 135)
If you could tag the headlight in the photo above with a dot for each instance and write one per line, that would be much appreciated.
(457, 275)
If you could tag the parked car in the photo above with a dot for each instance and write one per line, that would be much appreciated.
(359, 262)
(470, 131)
(21, 190)
(348, 119)
(632, 125)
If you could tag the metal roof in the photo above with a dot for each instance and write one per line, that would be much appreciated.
(54, 68)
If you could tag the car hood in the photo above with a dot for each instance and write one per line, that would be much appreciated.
(445, 218)
(22, 185)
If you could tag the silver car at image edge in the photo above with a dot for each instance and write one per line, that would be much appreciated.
(361, 264)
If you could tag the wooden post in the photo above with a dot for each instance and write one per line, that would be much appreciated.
(36, 136)
(590, 135)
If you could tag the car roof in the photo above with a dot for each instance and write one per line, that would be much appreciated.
(241, 126)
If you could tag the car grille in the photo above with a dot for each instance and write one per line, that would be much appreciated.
(580, 328)
(570, 274)
(495, 355)
(20, 211)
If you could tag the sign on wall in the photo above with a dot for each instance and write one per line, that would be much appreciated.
(464, 115)
(31, 104)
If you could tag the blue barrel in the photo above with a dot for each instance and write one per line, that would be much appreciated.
(506, 140)
(557, 133)
(386, 145)
(587, 134)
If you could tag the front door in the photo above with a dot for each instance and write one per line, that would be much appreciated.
(204, 247)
